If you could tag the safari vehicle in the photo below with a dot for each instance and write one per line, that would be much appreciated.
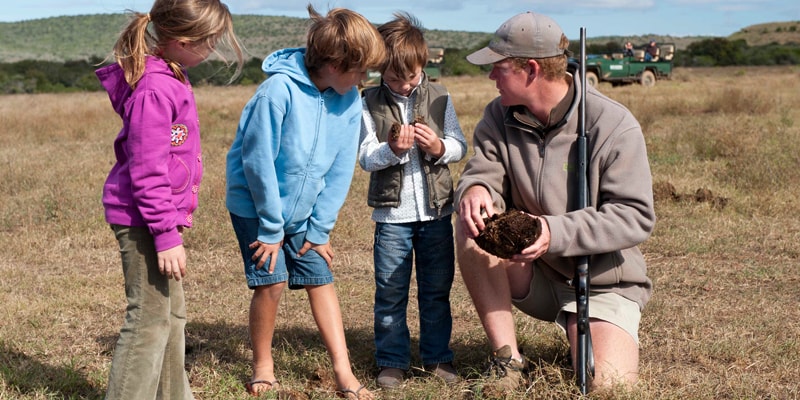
(619, 69)
(373, 79)
(433, 69)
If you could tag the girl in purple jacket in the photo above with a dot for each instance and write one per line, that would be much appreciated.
(152, 189)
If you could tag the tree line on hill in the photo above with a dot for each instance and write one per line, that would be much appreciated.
(36, 76)
(716, 52)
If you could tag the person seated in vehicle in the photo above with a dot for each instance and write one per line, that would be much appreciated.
(651, 52)
(628, 51)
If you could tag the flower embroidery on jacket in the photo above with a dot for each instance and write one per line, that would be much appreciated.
(178, 134)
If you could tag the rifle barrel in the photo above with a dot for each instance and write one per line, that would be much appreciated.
(581, 280)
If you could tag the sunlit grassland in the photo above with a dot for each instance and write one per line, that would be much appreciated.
(723, 323)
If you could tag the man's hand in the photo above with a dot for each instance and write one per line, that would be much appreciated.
(539, 247)
(476, 203)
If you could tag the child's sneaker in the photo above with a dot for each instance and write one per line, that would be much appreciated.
(446, 371)
(390, 378)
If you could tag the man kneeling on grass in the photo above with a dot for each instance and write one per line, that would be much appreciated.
(525, 159)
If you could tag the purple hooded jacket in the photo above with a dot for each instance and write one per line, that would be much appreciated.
(155, 181)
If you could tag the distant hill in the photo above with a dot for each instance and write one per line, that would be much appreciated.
(86, 37)
(771, 33)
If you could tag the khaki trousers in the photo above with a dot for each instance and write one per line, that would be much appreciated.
(148, 360)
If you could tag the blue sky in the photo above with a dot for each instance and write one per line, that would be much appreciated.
(599, 17)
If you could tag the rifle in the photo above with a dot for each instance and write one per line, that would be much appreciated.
(585, 359)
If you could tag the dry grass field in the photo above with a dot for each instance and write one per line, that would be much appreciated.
(724, 322)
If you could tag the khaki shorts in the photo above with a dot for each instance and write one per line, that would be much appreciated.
(550, 300)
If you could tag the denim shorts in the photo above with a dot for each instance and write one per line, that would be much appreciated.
(309, 270)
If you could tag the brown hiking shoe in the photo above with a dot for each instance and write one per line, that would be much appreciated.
(445, 371)
(504, 374)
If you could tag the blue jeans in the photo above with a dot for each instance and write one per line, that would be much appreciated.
(148, 360)
(395, 247)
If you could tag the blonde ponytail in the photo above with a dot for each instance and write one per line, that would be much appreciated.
(181, 20)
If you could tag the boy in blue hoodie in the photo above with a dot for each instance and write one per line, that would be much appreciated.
(288, 173)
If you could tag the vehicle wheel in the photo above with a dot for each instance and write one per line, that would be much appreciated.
(648, 79)
(591, 79)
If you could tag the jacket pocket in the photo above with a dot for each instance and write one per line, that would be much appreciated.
(179, 174)
(606, 269)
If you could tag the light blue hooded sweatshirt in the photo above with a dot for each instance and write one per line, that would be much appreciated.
(294, 154)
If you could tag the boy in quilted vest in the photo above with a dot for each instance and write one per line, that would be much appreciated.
(409, 135)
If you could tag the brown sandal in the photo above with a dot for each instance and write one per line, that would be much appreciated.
(251, 390)
(346, 393)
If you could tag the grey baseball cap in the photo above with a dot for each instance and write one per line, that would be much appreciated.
(525, 35)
